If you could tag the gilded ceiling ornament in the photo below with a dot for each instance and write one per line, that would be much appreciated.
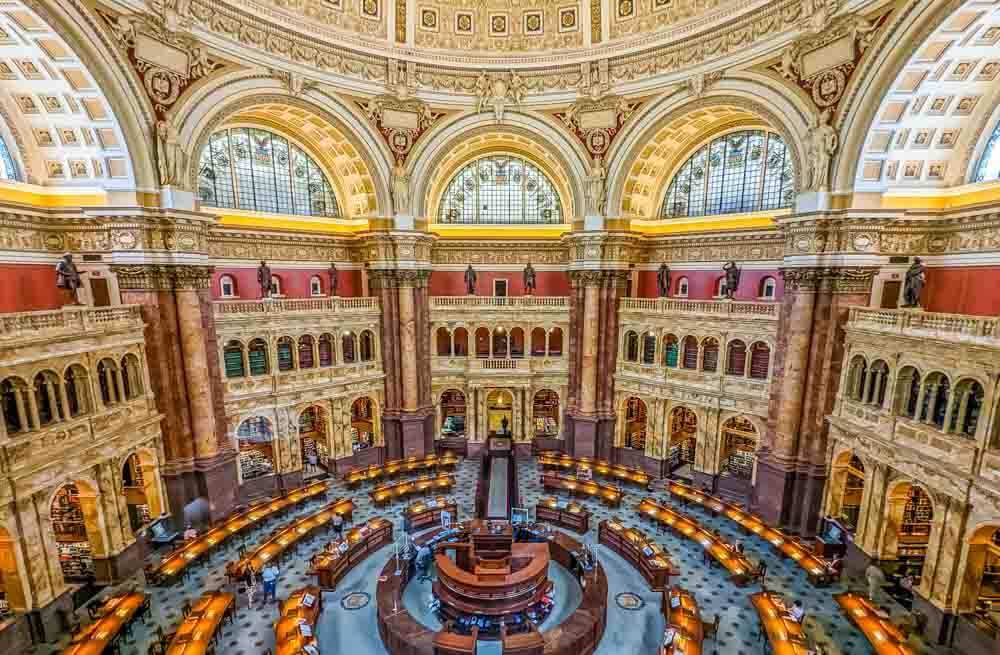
(597, 123)
(400, 122)
(497, 91)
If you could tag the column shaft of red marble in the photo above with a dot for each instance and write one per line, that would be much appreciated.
(408, 349)
(589, 350)
(197, 373)
(791, 371)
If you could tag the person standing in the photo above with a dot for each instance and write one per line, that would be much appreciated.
(338, 524)
(875, 578)
(270, 578)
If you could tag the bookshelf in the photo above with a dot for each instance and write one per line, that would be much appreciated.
(256, 461)
(545, 411)
(917, 514)
(76, 560)
(71, 534)
(453, 413)
(257, 358)
(739, 448)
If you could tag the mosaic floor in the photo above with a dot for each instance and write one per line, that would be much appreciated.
(632, 631)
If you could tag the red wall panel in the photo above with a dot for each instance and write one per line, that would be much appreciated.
(452, 283)
(968, 290)
(702, 284)
(30, 287)
(294, 282)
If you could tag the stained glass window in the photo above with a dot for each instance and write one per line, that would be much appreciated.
(500, 189)
(989, 163)
(8, 169)
(745, 171)
(248, 168)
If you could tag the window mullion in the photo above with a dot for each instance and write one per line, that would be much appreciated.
(232, 169)
(763, 170)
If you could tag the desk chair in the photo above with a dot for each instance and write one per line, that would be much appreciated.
(186, 607)
(711, 630)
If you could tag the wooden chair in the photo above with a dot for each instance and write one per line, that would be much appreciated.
(711, 630)
(186, 607)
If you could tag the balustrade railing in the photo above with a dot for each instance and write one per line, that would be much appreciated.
(224, 308)
(720, 308)
(954, 327)
(518, 302)
(68, 321)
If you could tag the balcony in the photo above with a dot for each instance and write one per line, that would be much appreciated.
(499, 366)
(29, 328)
(710, 308)
(712, 382)
(544, 303)
(234, 309)
(980, 330)
(301, 380)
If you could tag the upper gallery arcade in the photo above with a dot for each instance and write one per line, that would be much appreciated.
(678, 235)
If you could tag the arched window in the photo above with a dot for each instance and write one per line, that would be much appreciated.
(989, 163)
(555, 342)
(256, 451)
(967, 405)
(649, 348)
(367, 346)
(286, 360)
(682, 288)
(107, 379)
(77, 385)
(443, 342)
(670, 351)
(227, 286)
(760, 360)
(482, 342)
(257, 356)
(131, 376)
(500, 189)
(47, 399)
(306, 359)
(631, 347)
(743, 171)
(315, 286)
(250, 168)
(232, 358)
(461, 342)
(907, 392)
(690, 353)
(721, 287)
(538, 342)
(710, 355)
(937, 391)
(517, 342)
(767, 288)
(500, 341)
(347, 346)
(326, 351)
(736, 362)
(275, 285)
(8, 169)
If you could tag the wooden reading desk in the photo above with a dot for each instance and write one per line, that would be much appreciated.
(175, 563)
(427, 513)
(396, 467)
(342, 555)
(572, 516)
(197, 630)
(814, 566)
(286, 538)
(302, 605)
(682, 614)
(384, 494)
(784, 632)
(884, 637)
(722, 552)
(612, 496)
(641, 552)
(560, 461)
(116, 613)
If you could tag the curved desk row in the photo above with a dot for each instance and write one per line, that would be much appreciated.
(175, 563)
(598, 467)
(572, 516)
(493, 592)
(301, 608)
(342, 555)
(197, 631)
(683, 618)
(722, 552)
(815, 567)
(445, 462)
(649, 557)
(611, 495)
(384, 494)
(884, 637)
(427, 513)
(115, 614)
(783, 632)
(286, 538)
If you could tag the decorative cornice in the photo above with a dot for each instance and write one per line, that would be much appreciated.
(163, 277)
(398, 278)
(856, 279)
(598, 278)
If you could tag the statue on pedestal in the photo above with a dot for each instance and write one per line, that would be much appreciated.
(663, 281)
(733, 273)
(264, 278)
(529, 278)
(332, 272)
(470, 280)
(916, 275)
(67, 277)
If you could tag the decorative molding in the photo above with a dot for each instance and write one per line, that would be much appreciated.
(596, 122)
(854, 279)
(498, 91)
(398, 278)
(401, 122)
(162, 277)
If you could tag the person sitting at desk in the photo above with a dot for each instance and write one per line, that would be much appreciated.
(190, 534)
(797, 612)
(423, 559)
(835, 566)
(338, 524)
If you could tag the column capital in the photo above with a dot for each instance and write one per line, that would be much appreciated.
(597, 277)
(162, 277)
(395, 278)
(829, 279)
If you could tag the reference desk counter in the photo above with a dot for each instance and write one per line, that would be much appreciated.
(384, 494)
(572, 516)
(884, 637)
(641, 552)
(342, 555)
(427, 513)
(684, 624)
(598, 467)
(301, 608)
(115, 614)
(393, 468)
(724, 553)
(197, 630)
(815, 567)
(783, 632)
(289, 536)
(611, 495)
(177, 561)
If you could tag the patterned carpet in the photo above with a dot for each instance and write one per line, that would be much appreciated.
(633, 631)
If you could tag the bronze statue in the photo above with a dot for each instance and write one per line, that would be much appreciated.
(470, 280)
(264, 278)
(529, 278)
(67, 277)
(733, 273)
(916, 275)
(663, 281)
(332, 271)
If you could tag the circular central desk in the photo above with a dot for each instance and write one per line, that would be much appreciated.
(578, 634)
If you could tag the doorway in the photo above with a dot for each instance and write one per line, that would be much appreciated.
(890, 294)
(100, 291)
(499, 413)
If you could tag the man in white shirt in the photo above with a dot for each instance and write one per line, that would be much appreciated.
(270, 577)
(797, 612)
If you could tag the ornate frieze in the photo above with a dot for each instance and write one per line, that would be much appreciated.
(256, 246)
(757, 246)
(846, 279)
(162, 277)
(398, 278)
(592, 250)
(498, 252)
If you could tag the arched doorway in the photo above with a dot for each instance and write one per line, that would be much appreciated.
(362, 424)
(635, 424)
(255, 446)
(908, 527)
(683, 433)
(499, 413)
(847, 490)
(12, 595)
(981, 590)
(482, 343)
(739, 449)
(545, 414)
(75, 528)
(313, 441)
(140, 485)
(453, 414)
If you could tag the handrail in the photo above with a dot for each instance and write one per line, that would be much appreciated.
(68, 321)
(730, 308)
(915, 322)
(295, 305)
(458, 302)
